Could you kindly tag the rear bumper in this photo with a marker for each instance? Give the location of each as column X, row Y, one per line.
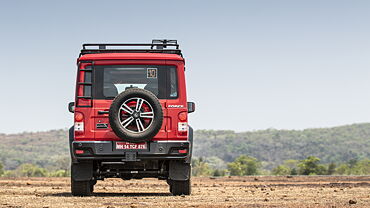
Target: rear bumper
column 105, row 150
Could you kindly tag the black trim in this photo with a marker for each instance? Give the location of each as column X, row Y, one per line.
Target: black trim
column 103, row 112
column 98, row 80
column 105, row 150
column 168, row 82
column 84, row 83
column 157, row 46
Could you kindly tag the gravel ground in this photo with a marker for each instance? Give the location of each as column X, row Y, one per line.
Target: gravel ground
column 260, row 191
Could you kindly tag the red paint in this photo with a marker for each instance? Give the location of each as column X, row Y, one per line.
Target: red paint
column 169, row 129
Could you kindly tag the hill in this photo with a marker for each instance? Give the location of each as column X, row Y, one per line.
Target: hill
column 337, row 144
column 41, row 148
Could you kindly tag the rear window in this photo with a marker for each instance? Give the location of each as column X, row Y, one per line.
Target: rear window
column 111, row 80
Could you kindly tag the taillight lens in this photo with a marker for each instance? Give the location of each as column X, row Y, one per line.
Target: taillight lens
column 79, row 116
column 183, row 116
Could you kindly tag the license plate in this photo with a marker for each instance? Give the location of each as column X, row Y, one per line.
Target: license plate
column 131, row 146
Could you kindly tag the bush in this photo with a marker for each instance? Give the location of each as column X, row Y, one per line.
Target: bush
column 30, row 170
column 201, row 168
column 311, row 166
column 354, row 167
column 219, row 172
column 244, row 165
column 281, row 170
column 59, row 173
column 1, row 169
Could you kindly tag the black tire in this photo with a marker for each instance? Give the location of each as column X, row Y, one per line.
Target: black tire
column 92, row 183
column 81, row 188
column 136, row 137
column 180, row 187
column 91, row 188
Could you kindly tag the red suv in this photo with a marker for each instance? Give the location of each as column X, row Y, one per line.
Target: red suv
column 131, row 116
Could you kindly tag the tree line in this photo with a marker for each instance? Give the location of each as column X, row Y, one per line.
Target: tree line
column 277, row 151
column 31, row 170
column 245, row 165
column 337, row 144
column 61, row 168
column 242, row 166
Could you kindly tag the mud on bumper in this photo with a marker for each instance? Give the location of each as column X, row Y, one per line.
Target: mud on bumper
column 105, row 150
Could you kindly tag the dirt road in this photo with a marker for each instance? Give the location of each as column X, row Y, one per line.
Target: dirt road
column 263, row 191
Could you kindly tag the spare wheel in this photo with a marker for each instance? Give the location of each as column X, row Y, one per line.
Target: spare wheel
column 136, row 115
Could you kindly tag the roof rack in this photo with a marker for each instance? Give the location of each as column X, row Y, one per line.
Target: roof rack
column 157, row 46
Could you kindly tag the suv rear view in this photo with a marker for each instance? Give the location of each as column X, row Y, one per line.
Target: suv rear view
column 131, row 116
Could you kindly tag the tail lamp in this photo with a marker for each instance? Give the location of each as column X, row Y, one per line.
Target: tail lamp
column 79, row 124
column 183, row 116
column 79, row 116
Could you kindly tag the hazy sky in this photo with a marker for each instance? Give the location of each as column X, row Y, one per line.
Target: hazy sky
column 250, row 64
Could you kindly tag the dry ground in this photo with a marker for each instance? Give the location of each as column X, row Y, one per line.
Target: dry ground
column 262, row 191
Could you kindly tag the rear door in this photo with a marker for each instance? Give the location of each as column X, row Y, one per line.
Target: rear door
column 113, row 77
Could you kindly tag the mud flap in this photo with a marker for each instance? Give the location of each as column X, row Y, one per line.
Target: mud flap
column 82, row 171
column 179, row 170
column 188, row 158
column 71, row 138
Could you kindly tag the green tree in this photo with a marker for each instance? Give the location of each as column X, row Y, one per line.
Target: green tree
column 361, row 167
column 311, row 166
column 331, row 169
column 201, row 168
column 294, row 172
column 244, row 165
column 219, row 172
column 281, row 170
column 354, row 167
column 343, row 169
column 1, row 169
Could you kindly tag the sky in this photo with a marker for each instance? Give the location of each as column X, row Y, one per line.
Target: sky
column 250, row 65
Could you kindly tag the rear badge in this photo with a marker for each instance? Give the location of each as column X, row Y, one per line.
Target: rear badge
column 101, row 125
column 175, row 106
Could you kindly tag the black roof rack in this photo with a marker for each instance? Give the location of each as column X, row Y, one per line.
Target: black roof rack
column 157, row 46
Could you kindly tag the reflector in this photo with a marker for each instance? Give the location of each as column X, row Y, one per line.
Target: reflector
column 183, row 151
